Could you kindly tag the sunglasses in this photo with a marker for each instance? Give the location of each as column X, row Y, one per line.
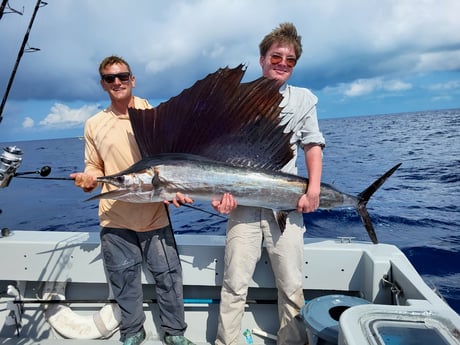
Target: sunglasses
column 110, row 78
column 276, row 59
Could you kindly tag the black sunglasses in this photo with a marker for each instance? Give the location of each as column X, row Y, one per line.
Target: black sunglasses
column 110, row 78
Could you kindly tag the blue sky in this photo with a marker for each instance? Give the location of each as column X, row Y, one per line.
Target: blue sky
column 361, row 57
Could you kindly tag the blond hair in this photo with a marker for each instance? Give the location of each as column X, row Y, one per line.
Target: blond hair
column 285, row 33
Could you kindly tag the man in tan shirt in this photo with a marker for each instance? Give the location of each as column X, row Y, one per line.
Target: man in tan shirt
column 131, row 233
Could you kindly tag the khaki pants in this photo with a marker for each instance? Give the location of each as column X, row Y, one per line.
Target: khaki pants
column 246, row 229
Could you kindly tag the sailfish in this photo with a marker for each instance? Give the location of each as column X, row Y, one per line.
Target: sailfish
column 222, row 135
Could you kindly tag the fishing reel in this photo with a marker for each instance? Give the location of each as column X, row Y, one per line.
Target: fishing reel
column 10, row 160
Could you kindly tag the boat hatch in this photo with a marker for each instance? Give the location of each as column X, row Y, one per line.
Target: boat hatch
column 392, row 325
column 389, row 332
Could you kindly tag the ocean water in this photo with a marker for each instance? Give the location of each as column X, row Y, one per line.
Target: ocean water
column 417, row 209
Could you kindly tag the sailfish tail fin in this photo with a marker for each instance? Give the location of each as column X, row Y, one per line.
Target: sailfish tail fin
column 364, row 197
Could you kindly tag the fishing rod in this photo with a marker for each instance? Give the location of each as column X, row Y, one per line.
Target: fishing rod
column 4, row 5
column 19, row 175
column 39, row 4
column 43, row 171
column 11, row 158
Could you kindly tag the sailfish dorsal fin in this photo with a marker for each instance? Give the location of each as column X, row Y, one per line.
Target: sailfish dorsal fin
column 220, row 118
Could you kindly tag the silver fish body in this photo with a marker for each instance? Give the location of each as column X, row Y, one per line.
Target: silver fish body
column 159, row 178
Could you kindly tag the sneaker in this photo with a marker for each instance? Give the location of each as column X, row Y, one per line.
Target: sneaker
column 136, row 339
column 177, row 340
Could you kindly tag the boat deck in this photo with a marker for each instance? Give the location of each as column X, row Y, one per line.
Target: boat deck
column 69, row 265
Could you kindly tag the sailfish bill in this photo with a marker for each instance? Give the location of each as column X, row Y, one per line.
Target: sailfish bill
column 160, row 177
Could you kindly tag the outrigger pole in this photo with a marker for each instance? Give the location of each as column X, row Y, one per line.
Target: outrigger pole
column 11, row 10
column 39, row 4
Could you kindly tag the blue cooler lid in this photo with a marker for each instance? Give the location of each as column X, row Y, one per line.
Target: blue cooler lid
column 322, row 314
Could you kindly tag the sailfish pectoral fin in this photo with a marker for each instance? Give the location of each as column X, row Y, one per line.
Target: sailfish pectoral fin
column 114, row 194
column 281, row 219
column 156, row 182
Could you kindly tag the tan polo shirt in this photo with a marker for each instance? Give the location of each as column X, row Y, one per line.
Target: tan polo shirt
column 110, row 148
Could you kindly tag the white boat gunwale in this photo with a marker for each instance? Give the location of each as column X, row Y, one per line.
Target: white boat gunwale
column 379, row 273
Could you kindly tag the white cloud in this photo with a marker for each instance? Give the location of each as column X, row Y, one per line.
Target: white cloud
column 181, row 41
column 62, row 116
column 28, row 122
column 450, row 85
column 396, row 85
column 361, row 87
column 444, row 98
column 439, row 61
column 351, row 48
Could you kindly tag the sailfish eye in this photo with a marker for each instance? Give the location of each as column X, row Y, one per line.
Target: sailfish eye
column 120, row 179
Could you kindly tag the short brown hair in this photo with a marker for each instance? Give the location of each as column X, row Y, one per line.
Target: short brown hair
column 112, row 60
column 284, row 33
